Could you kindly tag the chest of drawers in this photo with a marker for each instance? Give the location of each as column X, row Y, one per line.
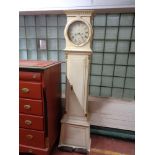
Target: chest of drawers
column 39, row 106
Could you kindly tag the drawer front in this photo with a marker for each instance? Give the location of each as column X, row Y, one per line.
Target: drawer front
column 29, row 76
column 32, row 107
column 31, row 122
column 31, row 138
column 30, row 90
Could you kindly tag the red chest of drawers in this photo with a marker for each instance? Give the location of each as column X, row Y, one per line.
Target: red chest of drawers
column 39, row 106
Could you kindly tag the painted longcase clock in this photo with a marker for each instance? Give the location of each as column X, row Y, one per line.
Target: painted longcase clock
column 75, row 126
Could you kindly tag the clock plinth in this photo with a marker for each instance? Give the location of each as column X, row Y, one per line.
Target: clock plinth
column 75, row 126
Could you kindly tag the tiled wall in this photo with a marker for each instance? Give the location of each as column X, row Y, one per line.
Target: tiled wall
column 113, row 61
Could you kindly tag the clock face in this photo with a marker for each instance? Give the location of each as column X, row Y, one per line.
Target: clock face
column 78, row 33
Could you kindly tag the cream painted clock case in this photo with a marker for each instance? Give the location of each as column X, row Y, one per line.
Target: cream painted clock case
column 75, row 126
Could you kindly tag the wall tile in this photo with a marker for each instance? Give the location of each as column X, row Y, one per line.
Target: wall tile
column 98, row 46
column 105, row 92
column 126, row 19
column 130, row 71
column 21, row 32
column 62, row 56
column 94, row 91
column 125, row 33
column 121, row 59
column 107, row 81
column 130, row 83
column 22, row 43
column 96, row 69
column 100, row 20
column 132, row 49
column 63, row 88
column 62, row 44
column 51, row 20
column 117, row 92
column 108, row 70
column 63, row 67
column 95, row 80
column 111, row 33
column 52, row 32
column 113, row 20
column 118, row 82
column 40, row 20
column 62, row 20
column 61, row 32
column 109, row 58
column 31, row 44
column 53, row 55
column 63, row 78
column 41, row 32
column 131, row 60
column 32, row 54
column 110, row 46
column 120, row 71
column 99, row 32
column 23, row 55
column 42, row 55
column 97, row 58
column 21, row 20
column 133, row 34
column 129, row 93
column 123, row 46
column 52, row 44
column 30, row 32
column 29, row 20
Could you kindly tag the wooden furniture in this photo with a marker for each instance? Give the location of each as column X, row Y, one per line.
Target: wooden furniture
column 75, row 126
column 39, row 106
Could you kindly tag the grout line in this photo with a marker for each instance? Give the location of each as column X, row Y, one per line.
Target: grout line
column 115, row 54
column 36, row 38
column 127, row 59
column 105, row 31
column 25, row 38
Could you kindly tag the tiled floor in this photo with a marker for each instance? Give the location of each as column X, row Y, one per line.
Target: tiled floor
column 101, row 145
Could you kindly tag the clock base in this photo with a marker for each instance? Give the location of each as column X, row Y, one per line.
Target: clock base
column 75, row 134
column 73, row 149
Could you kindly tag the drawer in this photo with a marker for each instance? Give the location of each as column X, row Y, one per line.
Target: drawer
column 31, row 138
column 28, row 106
column 30, row 90
column 31, row 122
column 29, row 76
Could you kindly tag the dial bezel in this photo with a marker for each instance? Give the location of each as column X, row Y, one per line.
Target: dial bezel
column 89, row 31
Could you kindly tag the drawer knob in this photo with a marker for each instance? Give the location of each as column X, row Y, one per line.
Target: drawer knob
column 25, row 90
column 30, row 150
column 34, row 76
column 27, row 107
column 28, row 122
column 29, row 137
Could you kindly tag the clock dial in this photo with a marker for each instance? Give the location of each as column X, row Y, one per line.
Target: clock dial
column 78, row 33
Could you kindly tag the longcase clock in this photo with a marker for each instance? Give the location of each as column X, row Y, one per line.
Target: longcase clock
column 75, row 126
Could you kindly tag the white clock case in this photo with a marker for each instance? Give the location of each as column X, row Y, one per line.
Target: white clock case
column 75, row 126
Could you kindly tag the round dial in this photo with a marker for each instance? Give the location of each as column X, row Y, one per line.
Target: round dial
column 78, row 33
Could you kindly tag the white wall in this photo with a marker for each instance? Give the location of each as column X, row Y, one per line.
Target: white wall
column 36, row 5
